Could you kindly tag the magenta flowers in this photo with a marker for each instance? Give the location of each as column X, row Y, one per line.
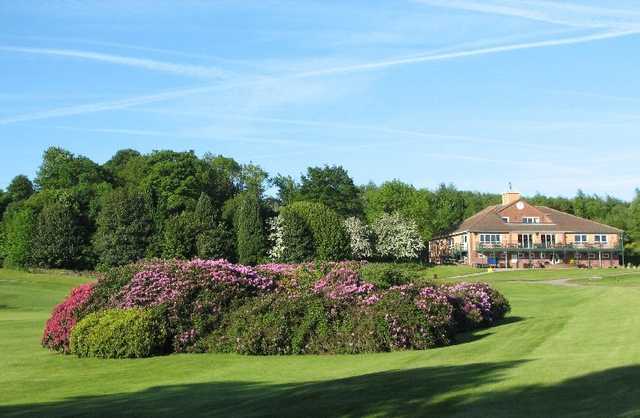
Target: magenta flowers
column 64, row 317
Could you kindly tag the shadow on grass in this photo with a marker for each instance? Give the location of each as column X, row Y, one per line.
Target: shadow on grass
column 479, row 334
column 434, row 391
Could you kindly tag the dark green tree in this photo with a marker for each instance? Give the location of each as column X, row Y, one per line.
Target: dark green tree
column 60, row 240
column 330, row 238
column 216, row 242
column 124, row 228
column 20, row 188
column 297, row 238
column 251, row 241
column 446, row 209
column 61, row 169
column 18, row 228
column 331, row 186
column 180, row 236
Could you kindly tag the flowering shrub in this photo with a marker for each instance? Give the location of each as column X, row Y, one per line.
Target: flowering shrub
column 343, row 284
column 64, row 317
column 214, row 305
column 476, row 304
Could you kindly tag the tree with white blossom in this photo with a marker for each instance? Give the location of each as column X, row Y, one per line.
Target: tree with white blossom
column 397, row 238
column 360, row 236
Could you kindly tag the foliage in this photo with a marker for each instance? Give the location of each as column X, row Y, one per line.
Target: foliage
column 124, row 228
column 330, row 238
column 214, row 238
column 360, row 238
column 58, row 329
column 61, row 169
column 297, row 238
column 332, row 187
column 276, row 239
column 476, row 304
column 397, row 238
column 60, row 237
column 215, row 242
column 251, row 243
column 120, row 333
column 386, row 275
column 18, row 233
column 20, row 188
column 180, row 233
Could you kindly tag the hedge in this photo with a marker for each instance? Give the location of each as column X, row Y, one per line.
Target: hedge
column 120, row 333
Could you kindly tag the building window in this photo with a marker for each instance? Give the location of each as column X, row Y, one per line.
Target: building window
column 600, row 239
column 505, row 219
column 530, row 220
column 580, row 239
column 606, row 256
column 489, row 238
column 592, row 256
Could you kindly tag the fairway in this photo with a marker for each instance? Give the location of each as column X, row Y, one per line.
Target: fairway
column 570, row 347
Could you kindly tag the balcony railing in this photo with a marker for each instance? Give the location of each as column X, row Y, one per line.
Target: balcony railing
column 500, row 247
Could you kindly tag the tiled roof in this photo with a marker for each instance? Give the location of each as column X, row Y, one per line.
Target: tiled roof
column 489, row 220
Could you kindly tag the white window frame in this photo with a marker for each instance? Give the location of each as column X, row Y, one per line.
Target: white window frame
column 606, row 256
column 530, row 220
column 580, row 238
column 592, row 256
column 601, row 239
column 505, row 219
column 491, row 239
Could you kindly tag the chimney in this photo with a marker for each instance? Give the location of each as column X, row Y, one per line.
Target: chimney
column 510, row 197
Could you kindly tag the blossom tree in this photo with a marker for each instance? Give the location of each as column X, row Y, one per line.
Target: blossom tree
column 397, row 238
column 360, row 238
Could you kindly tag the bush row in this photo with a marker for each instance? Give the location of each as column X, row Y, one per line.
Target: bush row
column 161, row 307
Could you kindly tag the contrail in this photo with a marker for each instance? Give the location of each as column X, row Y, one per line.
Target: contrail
column 164, row 96
column 549, row 12
column 470, row 53
column 148, row 64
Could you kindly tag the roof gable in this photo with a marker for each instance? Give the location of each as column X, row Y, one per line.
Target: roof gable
column 490, row 220
column 520, row 209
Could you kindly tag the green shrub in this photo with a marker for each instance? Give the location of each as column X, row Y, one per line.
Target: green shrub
column 120, row 333
column 110, row 282
column 385, row 275
column 278, row 323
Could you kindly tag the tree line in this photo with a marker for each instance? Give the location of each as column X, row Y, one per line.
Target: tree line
column 77, row 214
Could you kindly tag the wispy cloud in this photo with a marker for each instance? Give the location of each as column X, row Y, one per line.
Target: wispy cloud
column 549, row 12
column 338, row 70
column 472, row 52
column 148, row 64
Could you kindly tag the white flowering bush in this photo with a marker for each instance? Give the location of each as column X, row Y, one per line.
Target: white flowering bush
column 276, row 238
column 360, row 238
column 397, row 238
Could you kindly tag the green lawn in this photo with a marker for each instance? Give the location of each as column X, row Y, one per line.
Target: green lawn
column 570, row 351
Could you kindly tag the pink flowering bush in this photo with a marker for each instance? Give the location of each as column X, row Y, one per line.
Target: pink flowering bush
column 476, row 304
column 58, row 329
column 344, row 285
column 321, row 308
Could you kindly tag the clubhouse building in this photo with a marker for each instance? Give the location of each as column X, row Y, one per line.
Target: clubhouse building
column 517, row 234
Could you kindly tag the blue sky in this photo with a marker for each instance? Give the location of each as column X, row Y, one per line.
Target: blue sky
column 477, row 93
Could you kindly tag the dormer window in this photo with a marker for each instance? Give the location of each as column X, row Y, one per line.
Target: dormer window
column 530, row 220
column 505, row 219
